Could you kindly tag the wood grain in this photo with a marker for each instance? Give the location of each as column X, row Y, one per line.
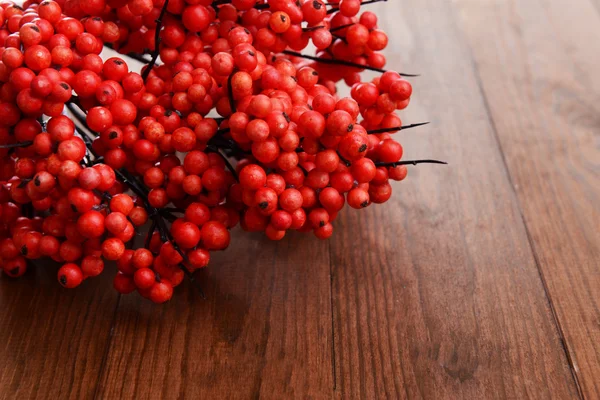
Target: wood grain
column 477, row 280
column 436, row 293
column 264, row 331
column 53, row 339
column 543, row 90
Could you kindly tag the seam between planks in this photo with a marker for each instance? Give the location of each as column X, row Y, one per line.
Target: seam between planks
column 331, row 310
column 522, row 216
column 107, row 347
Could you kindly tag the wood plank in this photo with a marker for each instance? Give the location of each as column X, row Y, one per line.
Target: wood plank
column 264, row 330
column 53, row 339
column 436, row 293
column 538, row 62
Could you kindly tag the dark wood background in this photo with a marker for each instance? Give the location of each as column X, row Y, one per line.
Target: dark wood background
column 477, row 280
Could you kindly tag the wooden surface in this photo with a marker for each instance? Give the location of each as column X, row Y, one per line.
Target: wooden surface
column 477, row 280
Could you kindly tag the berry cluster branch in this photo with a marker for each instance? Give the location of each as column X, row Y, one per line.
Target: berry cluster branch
column 142, row 192
column 166, row 236
column 334, row 61
column 158, row 222
column 156, row 51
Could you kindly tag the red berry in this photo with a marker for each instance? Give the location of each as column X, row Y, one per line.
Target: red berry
column 70, row 276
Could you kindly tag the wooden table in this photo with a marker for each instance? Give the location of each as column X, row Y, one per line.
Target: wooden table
column 477, row 280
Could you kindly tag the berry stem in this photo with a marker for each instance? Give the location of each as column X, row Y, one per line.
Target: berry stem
column 174, row 210
column 225, row 160
column 395, row 128
column 334, row 61
column 409, row 162
column 98, row 160
column 104, row 195
column 156, row 42
column 18, row 144
column 304, row 171
column 223, row 143
column 81, row 119
column 343, row 39
column 162, row 227
column 150, row 233
column 88, row 142
column 133, row 184
column 339, row 28
column 362, row 4
column 312, row 28
column 230, row 92
column 346, row 162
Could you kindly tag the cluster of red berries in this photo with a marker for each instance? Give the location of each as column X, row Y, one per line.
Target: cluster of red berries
column 146, row 151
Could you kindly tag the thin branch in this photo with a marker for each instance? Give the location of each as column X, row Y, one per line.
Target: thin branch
column 346, row 162
column 230, row 92
column 409, row 162
column 339, row 28
column 83, row 132
column 395, row 128
column 18, row 144
column 150, row 233
column 224, row 143
column 174, row 210
column 223, row 131
column 304, row 171
column 334, row 61
column 362, row 4
column 226, row 161
column 313, row 28
column 80, row 118
column 156, row 51
column 164, row 231
column 343, row 39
